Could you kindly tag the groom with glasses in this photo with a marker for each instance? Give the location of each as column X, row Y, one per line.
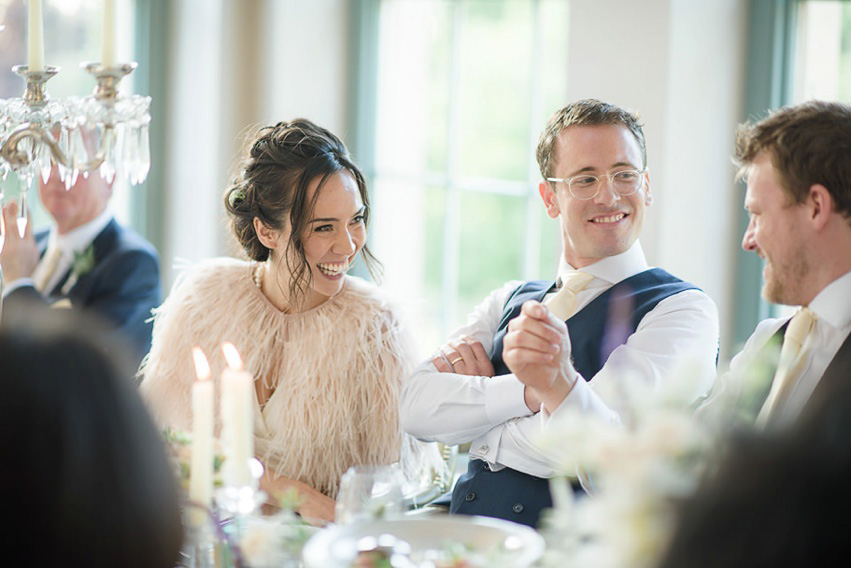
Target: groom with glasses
column 535, row 350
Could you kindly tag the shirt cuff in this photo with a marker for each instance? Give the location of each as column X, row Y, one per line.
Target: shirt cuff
column 579, row 398
column 582, row 400
column 15, row 284
column 504, row 399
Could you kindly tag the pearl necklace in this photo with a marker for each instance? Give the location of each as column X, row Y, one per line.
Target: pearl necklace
column 257, row 276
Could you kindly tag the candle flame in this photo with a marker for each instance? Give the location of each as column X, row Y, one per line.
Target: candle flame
column 202, row 367
column 231, row 355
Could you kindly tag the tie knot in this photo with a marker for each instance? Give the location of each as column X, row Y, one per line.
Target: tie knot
column 563, row 302
column 800, row 326
column 576, row 281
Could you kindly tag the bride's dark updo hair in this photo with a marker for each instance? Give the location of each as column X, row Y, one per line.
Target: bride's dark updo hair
column 272, row 186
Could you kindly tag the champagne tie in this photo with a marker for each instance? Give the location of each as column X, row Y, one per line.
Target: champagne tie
column 49, row 264
column 792, row 356
column 563, row 303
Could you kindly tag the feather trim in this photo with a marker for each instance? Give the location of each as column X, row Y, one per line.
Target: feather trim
column 335, row 371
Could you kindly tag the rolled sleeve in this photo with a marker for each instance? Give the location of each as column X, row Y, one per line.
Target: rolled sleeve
column 456, row 409
column 504, row 399
column 17, row 283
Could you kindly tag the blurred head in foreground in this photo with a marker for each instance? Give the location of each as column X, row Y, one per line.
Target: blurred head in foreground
column 775, row 500
column 85, row 477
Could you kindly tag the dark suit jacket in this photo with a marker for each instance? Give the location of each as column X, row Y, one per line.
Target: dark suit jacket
column 829, row 408
column 122, row 288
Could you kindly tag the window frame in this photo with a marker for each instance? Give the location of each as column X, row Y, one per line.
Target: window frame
column 362, row 114
column 153, row 40
column 769, row 85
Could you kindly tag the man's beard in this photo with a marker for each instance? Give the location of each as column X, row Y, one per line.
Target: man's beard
column 784, row 282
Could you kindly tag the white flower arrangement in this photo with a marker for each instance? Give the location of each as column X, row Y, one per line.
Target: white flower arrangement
column 635, row 473
column 275, row 541
column 260, row 540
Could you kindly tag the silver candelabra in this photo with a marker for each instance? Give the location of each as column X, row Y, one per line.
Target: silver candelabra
column 103, row 131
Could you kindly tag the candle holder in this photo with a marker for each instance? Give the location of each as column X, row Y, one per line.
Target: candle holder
column 24, row 121
column 35, row 94
column 200, row 548
column 242, row 500
column 108, row 78
column 103, row 131
column 238, row 504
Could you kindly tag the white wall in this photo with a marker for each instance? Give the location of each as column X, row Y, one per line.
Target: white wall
column 193, row 176
column 697, row 214
column 307, row 73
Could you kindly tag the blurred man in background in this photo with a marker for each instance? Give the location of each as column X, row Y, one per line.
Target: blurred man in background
column 84, row 260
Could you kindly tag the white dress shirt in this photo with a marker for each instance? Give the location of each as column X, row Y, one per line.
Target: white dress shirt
column 833, row 307
column 75, row 240
column 491, row 412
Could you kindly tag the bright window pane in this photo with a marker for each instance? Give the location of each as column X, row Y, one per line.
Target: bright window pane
column 550, row 246
column 823, row 51
column 491, row 235
column 412, row 104
column 495, row 88
column 464, row 89
column 435, row 230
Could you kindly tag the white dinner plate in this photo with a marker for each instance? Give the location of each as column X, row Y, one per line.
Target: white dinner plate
column 480, row 541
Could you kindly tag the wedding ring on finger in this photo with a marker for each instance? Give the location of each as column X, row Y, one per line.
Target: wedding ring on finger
column 452, row 362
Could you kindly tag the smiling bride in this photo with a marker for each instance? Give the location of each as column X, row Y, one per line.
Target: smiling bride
column 327, row 351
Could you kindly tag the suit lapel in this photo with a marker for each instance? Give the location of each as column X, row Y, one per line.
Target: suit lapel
column 834, row 387
column 769, row 356
column 102, row 245
column 56, row 292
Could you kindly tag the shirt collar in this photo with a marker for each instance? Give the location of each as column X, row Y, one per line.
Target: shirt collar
column 77, row 239
column 612, row 269
column 832, row 305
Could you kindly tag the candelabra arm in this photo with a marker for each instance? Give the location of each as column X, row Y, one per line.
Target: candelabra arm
column 18, row 158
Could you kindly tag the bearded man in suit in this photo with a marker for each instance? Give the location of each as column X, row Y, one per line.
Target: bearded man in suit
column 799, row 202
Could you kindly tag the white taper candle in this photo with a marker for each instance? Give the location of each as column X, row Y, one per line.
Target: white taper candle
column 237, row 409
column 201, row 472
column 107, row 57
column 35, row 37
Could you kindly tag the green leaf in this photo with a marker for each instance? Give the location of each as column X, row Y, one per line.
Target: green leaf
column 84, row 261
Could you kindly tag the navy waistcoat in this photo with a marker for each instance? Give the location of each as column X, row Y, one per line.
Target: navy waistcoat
column 595, row 331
